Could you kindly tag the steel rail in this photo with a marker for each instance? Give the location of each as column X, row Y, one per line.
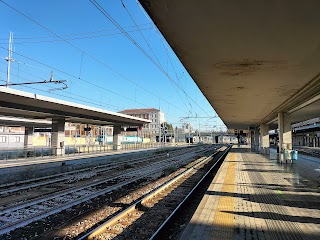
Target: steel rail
column 70, row 191
column 100, row 229
column 9, row 227
column 65, row 176
column 187, row 197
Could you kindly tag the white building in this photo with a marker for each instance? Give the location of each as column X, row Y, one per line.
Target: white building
column 156, row 116
column 11, row 137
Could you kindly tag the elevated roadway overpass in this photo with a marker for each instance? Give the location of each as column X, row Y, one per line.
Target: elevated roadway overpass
column 34, row 107
column 257, row 62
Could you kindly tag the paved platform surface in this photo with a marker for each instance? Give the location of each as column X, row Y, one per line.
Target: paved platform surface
column 253, row 197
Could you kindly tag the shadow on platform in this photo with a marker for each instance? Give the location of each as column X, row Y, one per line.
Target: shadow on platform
column 261, row 198
column 277, row 216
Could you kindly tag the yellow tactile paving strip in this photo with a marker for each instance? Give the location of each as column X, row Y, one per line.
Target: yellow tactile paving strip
column 223, row 218
column 253, row 197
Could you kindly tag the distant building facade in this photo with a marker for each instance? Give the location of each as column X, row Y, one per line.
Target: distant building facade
column 306, row 133
column 75, row 134
column 11, row 137
column 156, row 117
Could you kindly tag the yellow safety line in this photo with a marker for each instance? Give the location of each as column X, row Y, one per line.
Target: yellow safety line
column 223, row 222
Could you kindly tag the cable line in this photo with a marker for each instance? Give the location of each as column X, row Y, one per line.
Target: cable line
column 165, row 47
column 76, row 34
column 152, row 51
column 107, row 15
column 92, row 57
column 77, row 38
column 91, row 100
column 125, row 78
column 70, row 75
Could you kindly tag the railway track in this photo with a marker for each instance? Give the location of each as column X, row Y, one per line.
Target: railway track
column 30, row 190
column 73, row 176
column 30, row 211
column 146, row 218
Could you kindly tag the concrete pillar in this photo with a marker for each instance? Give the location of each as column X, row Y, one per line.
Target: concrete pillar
column 117, row 138
column 252, row 139
column 57, row 137
column 285, row 135
column 264, row 136
column 28, row 135
column 248, row 138
column 256, row 139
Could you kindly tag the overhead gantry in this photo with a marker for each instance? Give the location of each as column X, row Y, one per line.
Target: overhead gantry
column 257, row 62
column 21, row 104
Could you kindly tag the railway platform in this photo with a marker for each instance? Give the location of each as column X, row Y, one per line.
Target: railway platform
column 255, row 197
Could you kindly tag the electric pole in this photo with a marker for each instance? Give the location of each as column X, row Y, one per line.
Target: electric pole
column 160, row 141
column 9, row 59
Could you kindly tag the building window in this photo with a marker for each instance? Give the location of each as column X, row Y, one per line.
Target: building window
column 3, row 139
column 17, row 139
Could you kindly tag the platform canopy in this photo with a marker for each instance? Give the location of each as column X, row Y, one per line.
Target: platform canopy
column 24, row 122
column 21, row 104
column 250, row 58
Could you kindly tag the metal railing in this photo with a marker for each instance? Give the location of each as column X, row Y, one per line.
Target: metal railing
column 16, row 153
column 35, row 152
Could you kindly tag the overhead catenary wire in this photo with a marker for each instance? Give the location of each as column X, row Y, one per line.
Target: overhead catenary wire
column 136, row 25
column 76, row 38
column 109, row 105
column 71, row 75
column 151, row 50
column 90, row 101
column 43, row 80
column 163, row 43
column 81, row 65
column 161, row 38
column 30, row 65
column 81, row 97
column 74, row 34
column 89, row 55
column 107, row 15
column 168, row 57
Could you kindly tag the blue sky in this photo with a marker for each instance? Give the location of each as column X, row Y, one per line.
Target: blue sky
column 104, row 68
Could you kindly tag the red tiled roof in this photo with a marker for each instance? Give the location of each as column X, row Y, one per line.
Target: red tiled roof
column 139, row 110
